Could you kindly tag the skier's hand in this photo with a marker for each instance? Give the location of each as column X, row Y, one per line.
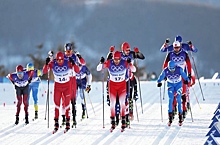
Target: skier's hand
column 129, row 60
column 71, row 60
column 88, row 88
column 29, row 80
column 167, row 40
column 189, row 76
column 102, row 60
column 189, row 42
column 136, row 50
column 159, row 84
column 50, row 54
column 47, row 60
column 185, row 82
column 78, row 54
column 112, row 48
column 135, row 97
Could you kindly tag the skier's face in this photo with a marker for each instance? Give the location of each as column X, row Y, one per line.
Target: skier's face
column 116, row 61
column 176, row 49
column 20, row 74
column 127, row 51
column 68, row 53
column 60, row 61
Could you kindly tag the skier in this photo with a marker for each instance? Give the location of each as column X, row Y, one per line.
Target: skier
column 21, row 80
column 34, row 85
column 117, row 69
column 174, row 75
column 68, row 52
column 181, row 58
column 83, row 80
column 62, row 70
column 185, row 46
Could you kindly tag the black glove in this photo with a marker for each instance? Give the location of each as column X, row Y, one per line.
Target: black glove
column 29, row 80
column 189, row 76
column 102, row 60
column 71, row 60
column 165, row 79
column 185, row 82
column 159, row 84
column 129, row 60
column 79, row 56
column 47, row 60
column 88, row 88
column 189, row 42
column 167, row 40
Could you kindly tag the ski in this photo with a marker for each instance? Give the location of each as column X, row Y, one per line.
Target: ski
column 168, row 124
column 180, row 124
column 122, row 130
column 111, row 129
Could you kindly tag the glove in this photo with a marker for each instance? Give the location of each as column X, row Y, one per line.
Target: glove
column 112, row 48
column 185, row 82
column 47, row 60
column 29, row 80
column 71, row 60
column 135, row 97
column 136, row 50
column 102, row 60
column 189, row 42
column 50, row 53
column 129, row 60
column 159, row 84
column 189, row 76
column 108, row 101
column 88, row 88
column 167, row 40
column 165, row 79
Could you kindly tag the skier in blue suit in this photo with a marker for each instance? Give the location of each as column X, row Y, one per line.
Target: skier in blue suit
column 34, row 85
column 174, row 75
column 185, row 46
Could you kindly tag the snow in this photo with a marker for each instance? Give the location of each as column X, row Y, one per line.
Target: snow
column 151, row 128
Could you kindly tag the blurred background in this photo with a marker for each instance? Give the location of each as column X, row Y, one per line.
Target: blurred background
column 29, row 29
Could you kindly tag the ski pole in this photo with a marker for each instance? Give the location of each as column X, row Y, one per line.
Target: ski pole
column 91, row 103
column 197, row 76
column 187, row 91
column 103, row 97
column 85, row 102
column 164, row 88
column 139, row 84
column 47, row 101
column 196, row 97
column 161, row 106
column 136, row 111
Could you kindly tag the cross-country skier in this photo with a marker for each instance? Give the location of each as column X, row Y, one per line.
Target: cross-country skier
column 83, row 80
column 181, row 58
column 185, row 46
column 78, row 59
column 174, row 75
column 117, row 69
column 34, row 85
column 21, row 80
column 62, row 69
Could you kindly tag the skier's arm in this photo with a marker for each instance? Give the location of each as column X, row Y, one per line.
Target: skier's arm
column 188, row 63
column 166, row 60
column 161, row 77
column 183, row 74
column 72, row 64
column 80, row 58
column 137, row 54
column 110, row 54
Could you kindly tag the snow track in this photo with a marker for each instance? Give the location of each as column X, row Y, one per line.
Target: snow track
column 149, row 130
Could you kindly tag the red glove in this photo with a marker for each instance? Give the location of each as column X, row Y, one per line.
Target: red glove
column 112, row 48
column 136, row 50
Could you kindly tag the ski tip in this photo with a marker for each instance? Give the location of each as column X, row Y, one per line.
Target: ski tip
column 122, row 130
column 103, row 126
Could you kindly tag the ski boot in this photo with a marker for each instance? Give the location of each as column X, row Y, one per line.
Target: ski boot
column 64, row 120
column 184, row 114
column 26, row 119
column 67, row 125
column 123, row 124
column 16, row 120
column 180, row 119
column 74, row 122
column 127, row 120
column 56, row 125
column 170, row 119
column 113, row 124
column 36, row 115
column 188, row 106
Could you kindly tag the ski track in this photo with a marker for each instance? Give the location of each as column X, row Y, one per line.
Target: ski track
column 149, row 130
